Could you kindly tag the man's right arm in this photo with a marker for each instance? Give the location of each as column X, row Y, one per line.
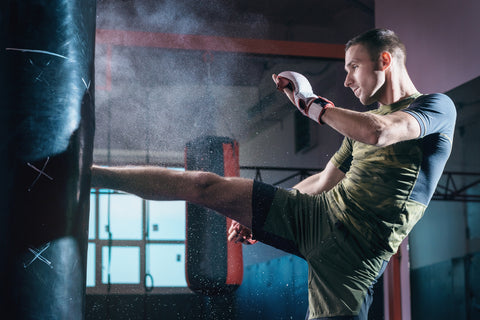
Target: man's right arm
column 322, row 181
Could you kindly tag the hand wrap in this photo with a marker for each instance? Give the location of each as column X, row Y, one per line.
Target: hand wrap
column 308, row 103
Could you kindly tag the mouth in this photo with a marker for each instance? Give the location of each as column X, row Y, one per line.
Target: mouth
column 356, row 91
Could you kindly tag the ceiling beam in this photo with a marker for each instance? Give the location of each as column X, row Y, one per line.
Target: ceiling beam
column 219, row 44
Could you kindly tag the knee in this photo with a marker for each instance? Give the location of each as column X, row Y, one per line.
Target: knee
column 204, row 183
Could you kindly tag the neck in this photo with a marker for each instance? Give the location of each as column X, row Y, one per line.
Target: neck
column 398, row 86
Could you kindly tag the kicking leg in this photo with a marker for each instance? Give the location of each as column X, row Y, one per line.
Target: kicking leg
column 229, row 196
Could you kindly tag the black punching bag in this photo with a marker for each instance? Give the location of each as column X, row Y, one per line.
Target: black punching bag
column 214, row 265
column 47, row 128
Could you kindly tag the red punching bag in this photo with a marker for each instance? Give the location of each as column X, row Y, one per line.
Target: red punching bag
column 213, row 264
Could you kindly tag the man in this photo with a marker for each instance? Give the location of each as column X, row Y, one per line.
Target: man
column 349, row 219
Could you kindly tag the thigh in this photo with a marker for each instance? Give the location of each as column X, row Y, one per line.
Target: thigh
column 229, row 196
column 285, row 218
column 262, row 198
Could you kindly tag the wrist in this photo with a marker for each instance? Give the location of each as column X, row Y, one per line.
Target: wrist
column 317, row 107
column 323, row 113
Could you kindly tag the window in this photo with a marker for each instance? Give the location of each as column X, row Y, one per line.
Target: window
column 135, row 245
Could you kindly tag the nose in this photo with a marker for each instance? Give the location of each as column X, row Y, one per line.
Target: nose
column 348, row 80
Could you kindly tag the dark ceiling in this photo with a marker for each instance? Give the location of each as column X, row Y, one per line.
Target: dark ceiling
column 333, row 21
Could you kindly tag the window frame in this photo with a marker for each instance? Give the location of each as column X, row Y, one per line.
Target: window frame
column 99, row 244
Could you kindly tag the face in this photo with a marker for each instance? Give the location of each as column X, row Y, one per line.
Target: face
column 364, row 76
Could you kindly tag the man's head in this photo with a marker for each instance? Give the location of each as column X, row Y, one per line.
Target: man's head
column 368, row 58
column 377, row 41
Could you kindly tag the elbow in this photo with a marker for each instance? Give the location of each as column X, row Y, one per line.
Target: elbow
column 377, row 136
column 201, row 186
column 380, row 132
column 372, row 139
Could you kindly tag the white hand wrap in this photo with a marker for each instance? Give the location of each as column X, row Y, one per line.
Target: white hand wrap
column 306, row 101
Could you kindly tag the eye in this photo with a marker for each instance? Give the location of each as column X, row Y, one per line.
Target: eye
column 351, row 67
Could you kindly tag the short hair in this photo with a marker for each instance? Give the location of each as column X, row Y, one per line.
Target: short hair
column 377, row 41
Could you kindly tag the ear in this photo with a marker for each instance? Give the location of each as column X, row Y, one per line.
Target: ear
column 385, row 60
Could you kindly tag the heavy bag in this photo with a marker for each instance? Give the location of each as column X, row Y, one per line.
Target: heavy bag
column 47, row 117
column 214, row 265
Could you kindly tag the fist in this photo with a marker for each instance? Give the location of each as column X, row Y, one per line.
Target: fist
column 297, row 88
column 239, row 233
column 282, row 83
column 299, row 91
